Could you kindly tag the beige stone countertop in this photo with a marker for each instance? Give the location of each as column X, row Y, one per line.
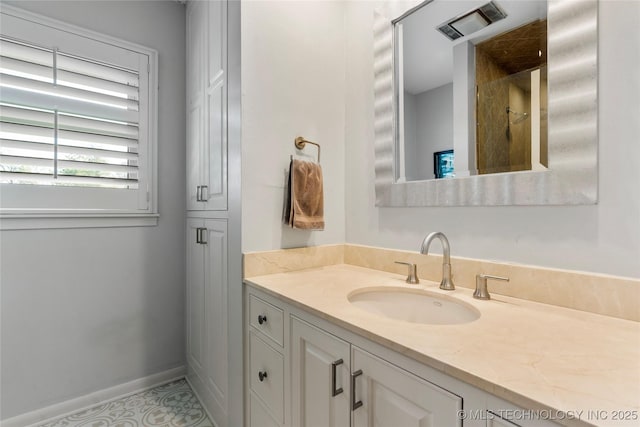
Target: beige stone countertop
column 524, row 352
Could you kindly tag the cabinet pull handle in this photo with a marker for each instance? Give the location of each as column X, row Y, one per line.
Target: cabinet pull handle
column 204, row 196
column 355, row 405
column 199, row 193
column 200, row 235
column 262, row 375
column 262, row 319
column 334, row 365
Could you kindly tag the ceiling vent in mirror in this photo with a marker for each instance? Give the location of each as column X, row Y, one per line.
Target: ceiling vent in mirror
column 472, row 21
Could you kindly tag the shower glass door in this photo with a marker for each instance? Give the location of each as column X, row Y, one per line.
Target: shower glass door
column 511, row 131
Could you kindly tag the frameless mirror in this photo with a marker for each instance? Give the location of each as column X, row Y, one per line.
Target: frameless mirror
column 500, row 46
column 486, row 102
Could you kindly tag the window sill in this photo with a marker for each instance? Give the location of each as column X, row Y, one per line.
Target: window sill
column 80, row 220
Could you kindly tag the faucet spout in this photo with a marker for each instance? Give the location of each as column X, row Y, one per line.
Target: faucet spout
column 447, row 282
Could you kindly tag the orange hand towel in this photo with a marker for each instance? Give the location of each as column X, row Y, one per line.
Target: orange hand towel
column 305, row 196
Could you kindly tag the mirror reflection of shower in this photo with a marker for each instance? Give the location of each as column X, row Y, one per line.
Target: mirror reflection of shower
column 515, row 88
column 519, row 117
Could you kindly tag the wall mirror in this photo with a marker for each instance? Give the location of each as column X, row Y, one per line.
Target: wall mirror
column 500, row 95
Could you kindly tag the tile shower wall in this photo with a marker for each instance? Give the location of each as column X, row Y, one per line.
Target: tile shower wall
column 493, row 127
column 603, row 238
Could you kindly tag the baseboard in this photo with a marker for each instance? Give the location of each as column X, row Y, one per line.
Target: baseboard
column 68, row 407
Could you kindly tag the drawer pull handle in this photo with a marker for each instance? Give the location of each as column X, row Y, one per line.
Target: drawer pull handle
column 262, row 319
column 262, row 375
column 355, row 405
column 334, row 365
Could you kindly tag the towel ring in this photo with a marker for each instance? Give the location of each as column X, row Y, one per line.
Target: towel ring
column 300, row 143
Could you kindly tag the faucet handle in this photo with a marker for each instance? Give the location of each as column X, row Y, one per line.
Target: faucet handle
column 481, row 291
column 412, row 274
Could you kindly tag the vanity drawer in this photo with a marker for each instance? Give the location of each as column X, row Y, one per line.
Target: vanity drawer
column 267, row 319
column 266, row 372
column 258, row 415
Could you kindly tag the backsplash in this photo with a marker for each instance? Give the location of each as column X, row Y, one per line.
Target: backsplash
column 284, row 260
column 596, row 293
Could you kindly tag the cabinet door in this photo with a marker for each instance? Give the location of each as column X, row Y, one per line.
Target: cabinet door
column 196, row 84
column 391, row 396
column 320, row 377
column 214, row 150
column 206, row 105
column 195, row 299
column 501, row 413
column 207, row 313
column 215, row 296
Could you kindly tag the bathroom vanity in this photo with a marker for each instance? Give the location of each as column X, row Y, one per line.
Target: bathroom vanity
column 315, row 358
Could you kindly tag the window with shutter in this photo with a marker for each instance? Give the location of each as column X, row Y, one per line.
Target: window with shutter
column 77, row 117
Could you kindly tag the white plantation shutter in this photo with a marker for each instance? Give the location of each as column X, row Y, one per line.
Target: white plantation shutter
column 75, row 120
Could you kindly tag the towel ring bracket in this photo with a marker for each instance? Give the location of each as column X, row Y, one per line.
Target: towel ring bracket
column 300, row 142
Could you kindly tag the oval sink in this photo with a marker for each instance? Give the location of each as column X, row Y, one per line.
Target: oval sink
column 414, row 305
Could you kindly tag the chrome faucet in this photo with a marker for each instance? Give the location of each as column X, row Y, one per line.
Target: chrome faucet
column 446, row 283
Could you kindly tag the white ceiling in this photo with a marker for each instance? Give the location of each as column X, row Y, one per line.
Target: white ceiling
column 428, row 54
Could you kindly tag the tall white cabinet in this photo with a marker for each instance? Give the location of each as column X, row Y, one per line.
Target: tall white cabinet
column 207, row 106
column 213, row 304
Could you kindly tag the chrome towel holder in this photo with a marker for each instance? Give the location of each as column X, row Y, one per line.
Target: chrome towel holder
column 300, row 142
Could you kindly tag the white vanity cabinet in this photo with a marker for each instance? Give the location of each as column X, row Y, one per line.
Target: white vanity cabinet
column 333, row 377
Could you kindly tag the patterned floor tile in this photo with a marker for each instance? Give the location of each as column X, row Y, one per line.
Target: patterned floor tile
column 169, row 405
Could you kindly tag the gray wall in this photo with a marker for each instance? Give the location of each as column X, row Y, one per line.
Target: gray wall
column 411, row 161
column 603, row 238
column 428, row 128
column 434, row 126
column 87, row 309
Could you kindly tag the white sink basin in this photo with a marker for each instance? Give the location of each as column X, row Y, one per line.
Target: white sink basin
column 414, row 305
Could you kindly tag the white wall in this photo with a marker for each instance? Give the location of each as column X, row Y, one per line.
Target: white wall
column 293, row 83
column 603, row 238
column 87, row 309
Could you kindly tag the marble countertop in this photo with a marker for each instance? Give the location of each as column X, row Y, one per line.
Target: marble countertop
column 524, row 352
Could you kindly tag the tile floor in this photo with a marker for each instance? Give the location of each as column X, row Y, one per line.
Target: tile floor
column 169, row 405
